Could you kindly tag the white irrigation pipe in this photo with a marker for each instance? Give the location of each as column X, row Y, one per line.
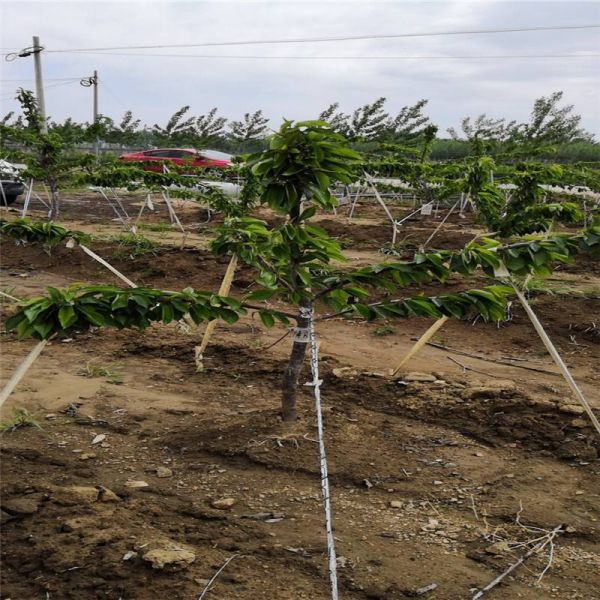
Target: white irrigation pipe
column 556, row 357
column 316, row 384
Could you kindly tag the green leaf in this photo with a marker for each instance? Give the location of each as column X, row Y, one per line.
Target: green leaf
column 67, row 316
column 92, row 315
column 167, row 313
column 308, row 213
column 261, row 295
column 266, row 318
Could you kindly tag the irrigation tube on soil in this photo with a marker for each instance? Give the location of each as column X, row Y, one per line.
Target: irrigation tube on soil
column 316, row 384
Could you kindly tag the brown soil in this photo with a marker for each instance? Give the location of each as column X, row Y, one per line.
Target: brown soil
column 458, row 457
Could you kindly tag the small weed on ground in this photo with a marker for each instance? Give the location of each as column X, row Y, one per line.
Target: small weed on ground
column 91, row 370
column 538, row 285
column 131, row 245
column 21, row 418
column 384, row 330
column 158, row 227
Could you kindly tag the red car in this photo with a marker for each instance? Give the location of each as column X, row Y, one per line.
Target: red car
column 185, row 157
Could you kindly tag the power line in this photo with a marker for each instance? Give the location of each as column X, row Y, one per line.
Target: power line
column 255, row 57
column 47, row 87
column 46, row 79
column 343, row 38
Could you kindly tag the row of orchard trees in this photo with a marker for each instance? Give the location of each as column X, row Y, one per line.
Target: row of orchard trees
column 51, row 157
column 300, row 273
column 551, row 124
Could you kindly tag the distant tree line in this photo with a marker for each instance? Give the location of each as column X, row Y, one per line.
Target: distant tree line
column 552, row 132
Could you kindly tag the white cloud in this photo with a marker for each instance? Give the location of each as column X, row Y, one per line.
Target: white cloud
column 154, row 87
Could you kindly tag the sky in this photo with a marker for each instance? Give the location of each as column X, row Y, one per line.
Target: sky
column 153, row 87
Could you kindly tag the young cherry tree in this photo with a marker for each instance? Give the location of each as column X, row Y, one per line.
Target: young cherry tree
column 296, row 260
column 49, row 158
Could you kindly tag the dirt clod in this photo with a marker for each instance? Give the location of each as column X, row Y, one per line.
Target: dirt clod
column 167, row 555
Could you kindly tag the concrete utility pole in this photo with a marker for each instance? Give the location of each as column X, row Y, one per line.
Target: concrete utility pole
column 93, row 83
column 39, row 83
column 95, row 109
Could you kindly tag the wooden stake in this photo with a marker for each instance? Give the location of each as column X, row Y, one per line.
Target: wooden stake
column 21, row 370
column 420, row 343
column 223, row 291
column 556, row 357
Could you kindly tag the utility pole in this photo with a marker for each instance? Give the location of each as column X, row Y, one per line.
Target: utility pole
column 39, row 83
column 93, row 83
column 95, row 109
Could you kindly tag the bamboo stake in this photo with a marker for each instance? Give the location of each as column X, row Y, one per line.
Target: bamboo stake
column 108, row 266
column 385, row 208
column 120, row 275
column 556, row 357
column 439, row 226
column 223, row 291
column 172, row 215
column 27, row 198
column 420, row 343
column 21, row 370
column 9, row 296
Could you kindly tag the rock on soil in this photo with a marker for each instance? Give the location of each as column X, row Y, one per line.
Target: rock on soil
column 417, row 377
column 162, row 472
column 223, row 503
column 78, row 494
column 167, row 555
column 21, row 506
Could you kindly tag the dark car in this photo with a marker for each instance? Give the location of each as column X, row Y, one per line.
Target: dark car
column 11, row 185
column 153, row 160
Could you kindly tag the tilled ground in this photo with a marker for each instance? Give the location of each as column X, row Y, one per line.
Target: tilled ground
column 439, row 481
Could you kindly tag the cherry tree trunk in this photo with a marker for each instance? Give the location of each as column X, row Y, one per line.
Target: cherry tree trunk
column 293, row 370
